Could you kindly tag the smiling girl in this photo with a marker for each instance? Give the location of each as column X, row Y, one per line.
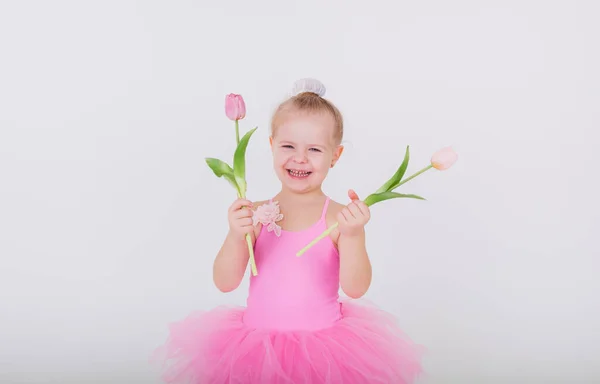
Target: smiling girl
column 295, row 328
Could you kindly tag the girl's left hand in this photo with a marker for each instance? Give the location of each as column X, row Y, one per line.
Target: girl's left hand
column 353, row 218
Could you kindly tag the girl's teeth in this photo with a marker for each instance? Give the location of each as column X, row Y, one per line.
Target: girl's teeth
column 298, row 173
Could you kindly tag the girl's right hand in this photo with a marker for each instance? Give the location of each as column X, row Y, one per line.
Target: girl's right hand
column 240, row 217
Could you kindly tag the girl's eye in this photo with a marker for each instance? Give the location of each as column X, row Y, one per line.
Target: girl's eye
column 315, row 149
column 287, row 146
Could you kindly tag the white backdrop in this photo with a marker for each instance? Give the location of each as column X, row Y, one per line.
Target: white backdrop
column 110, row 219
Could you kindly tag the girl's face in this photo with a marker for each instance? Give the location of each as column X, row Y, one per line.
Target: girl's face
column 304, row 149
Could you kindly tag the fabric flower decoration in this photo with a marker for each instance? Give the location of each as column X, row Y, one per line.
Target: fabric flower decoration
column 268, row 214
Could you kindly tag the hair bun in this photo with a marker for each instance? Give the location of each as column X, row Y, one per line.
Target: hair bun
column 308, row 85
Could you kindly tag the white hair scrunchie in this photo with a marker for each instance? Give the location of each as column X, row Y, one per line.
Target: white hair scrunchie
column 308, row 85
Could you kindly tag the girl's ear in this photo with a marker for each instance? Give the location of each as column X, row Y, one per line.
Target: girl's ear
column 271, row 141
column 336, row 155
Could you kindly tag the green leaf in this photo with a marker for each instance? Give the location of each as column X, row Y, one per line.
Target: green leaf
column 378, row 197
column 222, row 169
column 395, row 180
column 239, row 162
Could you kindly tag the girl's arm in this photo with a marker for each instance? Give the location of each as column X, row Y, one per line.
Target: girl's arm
column 232, row 259
column 355, row 266
column 230, row 263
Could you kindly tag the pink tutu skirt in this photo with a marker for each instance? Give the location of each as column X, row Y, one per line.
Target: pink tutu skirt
column 216, row 347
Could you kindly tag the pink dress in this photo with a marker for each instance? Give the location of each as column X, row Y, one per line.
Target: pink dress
column 294, row 329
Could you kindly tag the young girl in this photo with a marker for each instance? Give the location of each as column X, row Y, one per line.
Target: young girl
column 295, row 329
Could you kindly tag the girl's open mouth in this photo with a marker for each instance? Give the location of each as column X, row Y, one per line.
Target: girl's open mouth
column 298, row 174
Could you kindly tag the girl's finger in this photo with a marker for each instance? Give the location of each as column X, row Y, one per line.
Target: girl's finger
column 239, row 203
column 352, row 195
column 349, row 213
column 362, row 207
column 343, row 218
column 243, row 212
column 354, row 209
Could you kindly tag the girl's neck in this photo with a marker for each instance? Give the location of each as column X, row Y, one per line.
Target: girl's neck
column 299, row 198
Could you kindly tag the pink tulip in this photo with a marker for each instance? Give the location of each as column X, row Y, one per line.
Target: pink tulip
column 235, row 108
column 444, row 158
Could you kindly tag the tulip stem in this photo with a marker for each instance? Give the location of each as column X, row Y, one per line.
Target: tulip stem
column 241, row 195
column 251, row 255
column 250, row 247
column 316, row 240
column 412, row 177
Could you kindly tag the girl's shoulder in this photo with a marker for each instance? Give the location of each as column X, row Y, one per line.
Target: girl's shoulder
column 334, row 207
column 256, row 204
column 333, row 210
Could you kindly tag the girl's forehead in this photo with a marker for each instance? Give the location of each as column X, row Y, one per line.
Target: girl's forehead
column 307, row 126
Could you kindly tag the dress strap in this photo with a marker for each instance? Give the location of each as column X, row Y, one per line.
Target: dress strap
column 324, row 213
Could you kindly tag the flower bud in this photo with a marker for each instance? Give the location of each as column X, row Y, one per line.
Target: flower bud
column 235, row 108
column 444, row 158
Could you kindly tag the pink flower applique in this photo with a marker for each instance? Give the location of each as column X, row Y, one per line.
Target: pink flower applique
column 268, row 214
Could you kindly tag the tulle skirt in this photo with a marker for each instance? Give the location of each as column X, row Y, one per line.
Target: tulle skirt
column 216, row 347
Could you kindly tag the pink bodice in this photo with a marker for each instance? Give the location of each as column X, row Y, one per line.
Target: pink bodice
column 290, row 292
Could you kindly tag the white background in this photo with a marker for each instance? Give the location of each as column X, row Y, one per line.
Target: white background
column 110, row 219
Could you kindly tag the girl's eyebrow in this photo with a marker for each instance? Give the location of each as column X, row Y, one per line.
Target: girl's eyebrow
column 284, row 142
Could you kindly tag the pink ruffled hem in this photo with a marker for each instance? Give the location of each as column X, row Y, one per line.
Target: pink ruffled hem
column 216, row 347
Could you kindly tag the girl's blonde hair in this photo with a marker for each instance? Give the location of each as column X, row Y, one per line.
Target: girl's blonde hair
column 310, row 102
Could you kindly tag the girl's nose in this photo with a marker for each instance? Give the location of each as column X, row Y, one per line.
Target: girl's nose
column 300, row 157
